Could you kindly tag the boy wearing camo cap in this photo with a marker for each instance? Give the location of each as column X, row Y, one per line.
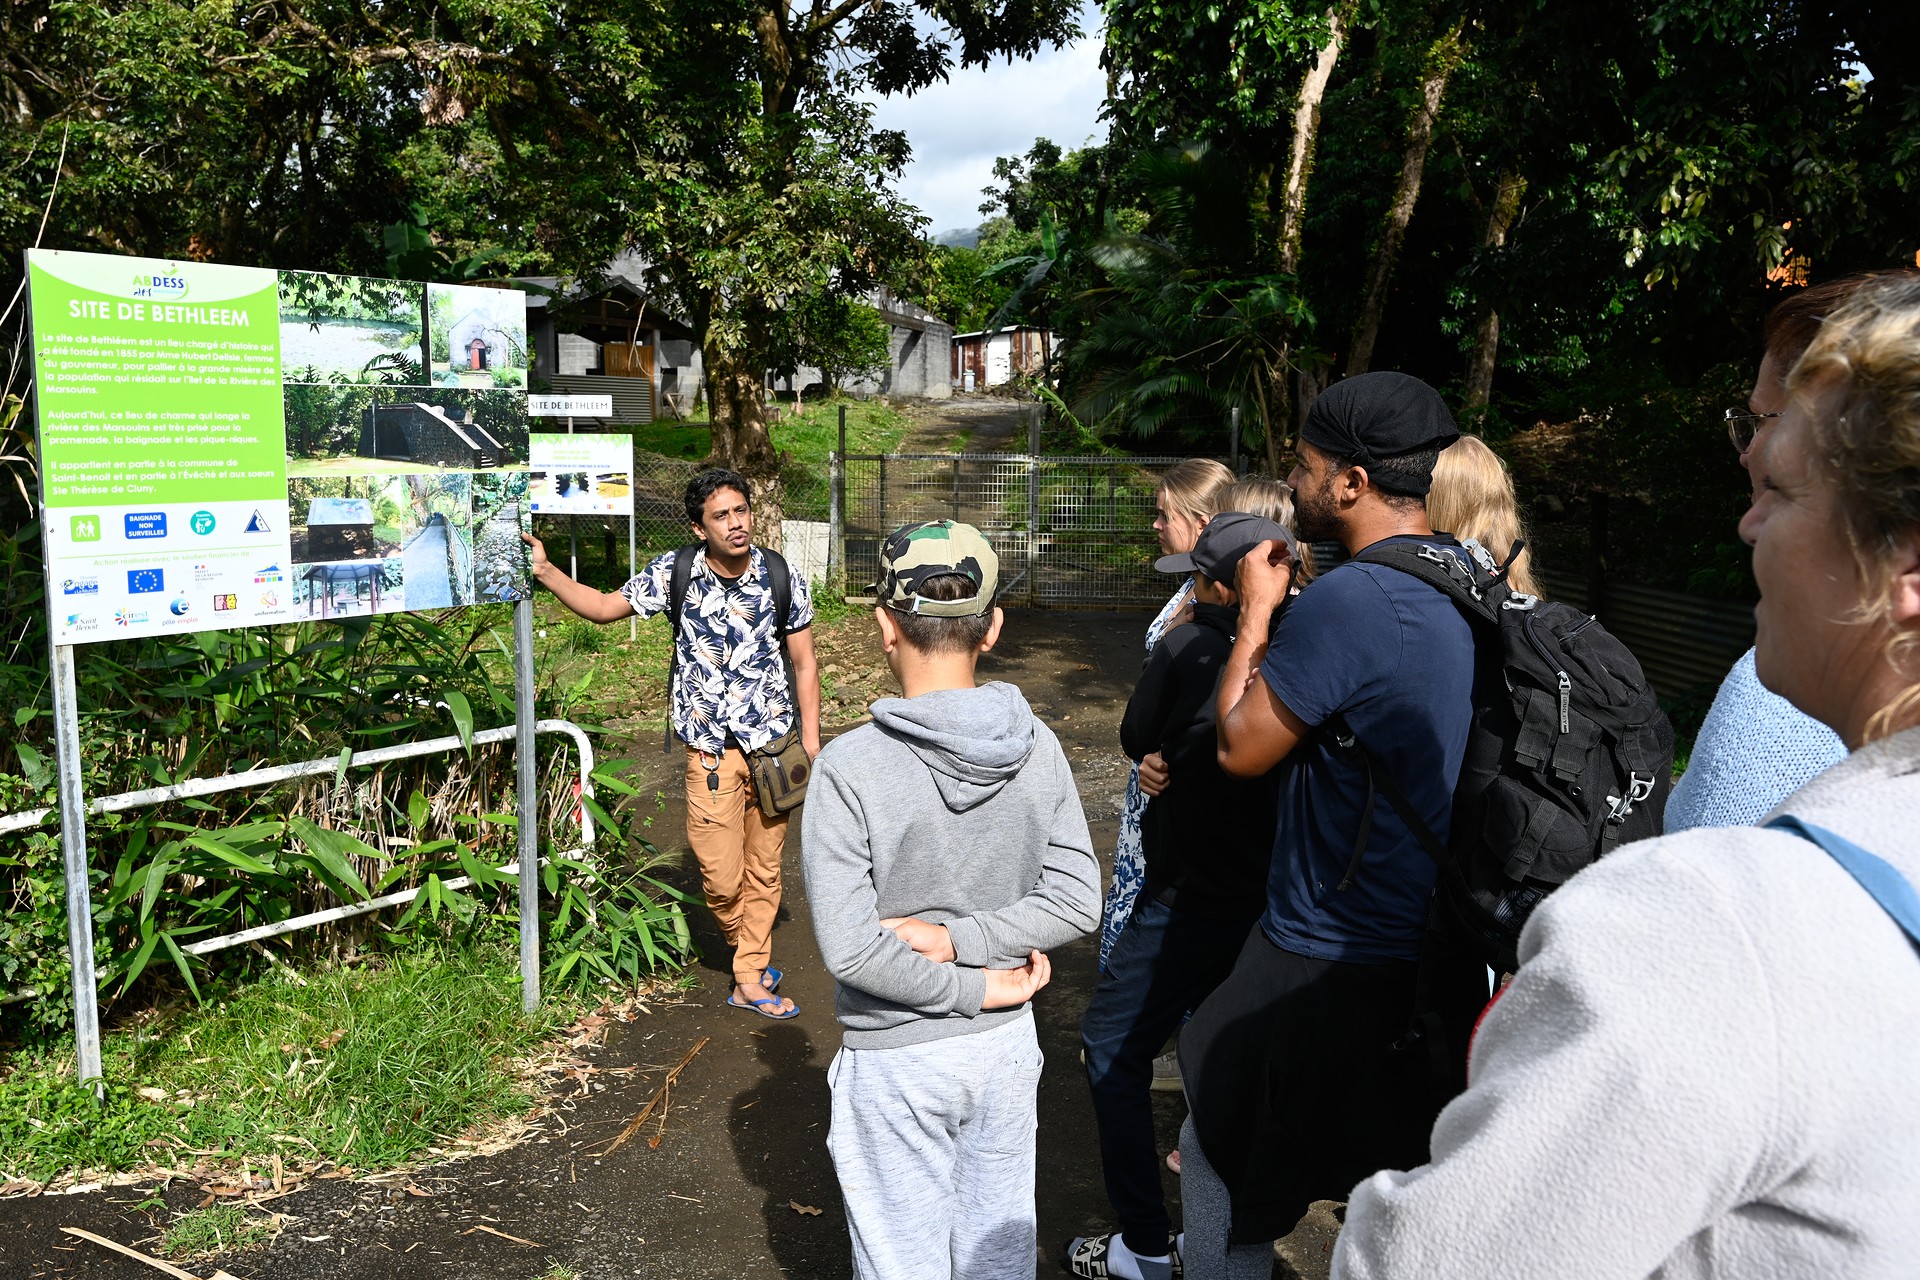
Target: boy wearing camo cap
column 945, row 852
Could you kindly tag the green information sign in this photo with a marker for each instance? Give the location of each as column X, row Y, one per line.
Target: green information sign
column 159, row 382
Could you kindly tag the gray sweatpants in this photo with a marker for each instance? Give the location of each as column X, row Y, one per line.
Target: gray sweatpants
column 934, row 1146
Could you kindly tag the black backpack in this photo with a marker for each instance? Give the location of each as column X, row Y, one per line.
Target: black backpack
column 779, row 581
column 1568, row 757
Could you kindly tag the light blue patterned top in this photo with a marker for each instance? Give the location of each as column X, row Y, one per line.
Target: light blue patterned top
column 1129, row 855
column 1754, row 750
column 730, row 679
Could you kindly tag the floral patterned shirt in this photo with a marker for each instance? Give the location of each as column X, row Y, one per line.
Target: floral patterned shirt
column 731, row 678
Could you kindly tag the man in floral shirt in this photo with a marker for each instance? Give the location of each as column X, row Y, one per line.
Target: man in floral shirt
column 730, row 695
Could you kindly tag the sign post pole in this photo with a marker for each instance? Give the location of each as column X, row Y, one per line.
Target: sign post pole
column 528, row 805
column 573, row 534
column 73, row 848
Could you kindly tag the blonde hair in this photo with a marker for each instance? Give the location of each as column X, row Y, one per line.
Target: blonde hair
column 1866, row 440
column 1472, row 497
column 1191, row 486
column 1269, row 499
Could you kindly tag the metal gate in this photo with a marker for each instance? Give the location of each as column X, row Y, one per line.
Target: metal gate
column 1071, row 531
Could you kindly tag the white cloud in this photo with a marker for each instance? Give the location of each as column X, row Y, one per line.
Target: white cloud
column 958, row 128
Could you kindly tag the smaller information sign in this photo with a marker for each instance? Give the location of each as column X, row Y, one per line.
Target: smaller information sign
column 582, row 474
column 570, row 406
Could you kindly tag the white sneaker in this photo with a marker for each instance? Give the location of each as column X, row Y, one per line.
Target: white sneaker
column 1166, row 1073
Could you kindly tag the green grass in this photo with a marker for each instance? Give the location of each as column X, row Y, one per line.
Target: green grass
column 363, row 1065
column 873, row 426
column 220, row 1228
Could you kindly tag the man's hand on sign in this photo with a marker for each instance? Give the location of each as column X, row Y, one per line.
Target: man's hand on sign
column 539, row 557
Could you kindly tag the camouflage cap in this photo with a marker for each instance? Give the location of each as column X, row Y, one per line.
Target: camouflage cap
column 914, row 553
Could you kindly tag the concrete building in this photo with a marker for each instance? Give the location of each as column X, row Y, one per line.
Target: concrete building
column 919, row 355
column 995, row 357
column 429, row 434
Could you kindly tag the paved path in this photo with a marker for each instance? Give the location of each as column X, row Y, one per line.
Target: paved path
column 424, row 573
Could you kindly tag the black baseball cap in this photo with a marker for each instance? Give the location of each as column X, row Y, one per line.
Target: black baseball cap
column 1377, row 416
column 1224, row 543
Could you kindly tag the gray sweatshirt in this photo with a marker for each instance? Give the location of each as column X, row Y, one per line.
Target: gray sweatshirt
column 956, row 807
column 1706, row 1068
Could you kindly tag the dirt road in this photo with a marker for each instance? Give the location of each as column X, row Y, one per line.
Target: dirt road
column 743, row 1141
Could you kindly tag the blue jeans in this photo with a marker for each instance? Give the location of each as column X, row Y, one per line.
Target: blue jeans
column 1164, row 963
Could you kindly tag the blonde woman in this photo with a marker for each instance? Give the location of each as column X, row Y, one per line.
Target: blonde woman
column 1182, row 504
column 1705, row 1065
column 1472, row 497
column 1273, row 500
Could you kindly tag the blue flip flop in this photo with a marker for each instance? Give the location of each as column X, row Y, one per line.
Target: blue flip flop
column 770, row 978
column 759, row 1007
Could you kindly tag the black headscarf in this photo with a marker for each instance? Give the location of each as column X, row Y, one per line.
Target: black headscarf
column 1378, row 416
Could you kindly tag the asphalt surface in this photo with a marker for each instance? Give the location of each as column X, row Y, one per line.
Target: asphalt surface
column 740, row 1161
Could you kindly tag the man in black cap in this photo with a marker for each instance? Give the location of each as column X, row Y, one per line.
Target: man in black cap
column 1295, row 1089
column 1207, row 837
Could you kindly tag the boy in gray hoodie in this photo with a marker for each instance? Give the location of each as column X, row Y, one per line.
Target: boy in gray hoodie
column 945, row 852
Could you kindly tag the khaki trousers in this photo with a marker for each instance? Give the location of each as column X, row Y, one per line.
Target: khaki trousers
column 739, row 850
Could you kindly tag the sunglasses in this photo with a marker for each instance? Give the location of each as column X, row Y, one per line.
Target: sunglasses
column 1743, row 427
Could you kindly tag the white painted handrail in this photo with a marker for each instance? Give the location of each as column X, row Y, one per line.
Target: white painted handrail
column 310, row 768
column 306, row 769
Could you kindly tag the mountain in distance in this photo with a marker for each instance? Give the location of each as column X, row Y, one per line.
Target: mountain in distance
column 960, row 237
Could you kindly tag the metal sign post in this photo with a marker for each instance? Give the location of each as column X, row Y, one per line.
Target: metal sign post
column 527, row 804
column 73, row 848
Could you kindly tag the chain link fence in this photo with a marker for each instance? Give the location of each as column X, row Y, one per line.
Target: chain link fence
column 1071, row 531
column 1091, row 542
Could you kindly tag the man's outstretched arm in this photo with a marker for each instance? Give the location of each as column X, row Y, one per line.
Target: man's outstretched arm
column 594, row 606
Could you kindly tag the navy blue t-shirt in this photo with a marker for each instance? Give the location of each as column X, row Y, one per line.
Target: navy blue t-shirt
column 1394, row 656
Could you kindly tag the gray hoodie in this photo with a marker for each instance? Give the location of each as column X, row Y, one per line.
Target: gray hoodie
column 956, row 807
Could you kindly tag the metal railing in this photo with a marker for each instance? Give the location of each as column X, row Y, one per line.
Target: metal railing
column 250, row 778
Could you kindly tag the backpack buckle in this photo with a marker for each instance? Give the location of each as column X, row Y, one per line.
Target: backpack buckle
column 1639, row 787
column 1519, row 600
column 1450, row 563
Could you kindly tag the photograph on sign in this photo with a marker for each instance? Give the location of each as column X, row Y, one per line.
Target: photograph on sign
column 478, row 336
column 350, row 329
column 581, row 474
column 346, row 430
column 418, row 527
column 501, row 569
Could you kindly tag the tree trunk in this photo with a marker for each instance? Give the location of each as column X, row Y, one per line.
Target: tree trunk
column 1306, row 133
column 1441, row 61
column 737, row 414
column 1293, row 205
column 1486, row 334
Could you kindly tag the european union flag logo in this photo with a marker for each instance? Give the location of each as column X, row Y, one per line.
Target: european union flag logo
column 143, row 581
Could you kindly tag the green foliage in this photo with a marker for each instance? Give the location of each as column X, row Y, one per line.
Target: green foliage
column 842, row 337
column 365, row 1064
column 1172, row 341
column 158, row 711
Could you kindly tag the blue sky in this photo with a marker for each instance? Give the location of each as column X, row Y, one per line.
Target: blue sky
column 959, row 127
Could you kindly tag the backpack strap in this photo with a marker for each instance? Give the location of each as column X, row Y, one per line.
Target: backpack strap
column 1893, row 891
column 1381, row 778
column 780, row 583
column 676, row 601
